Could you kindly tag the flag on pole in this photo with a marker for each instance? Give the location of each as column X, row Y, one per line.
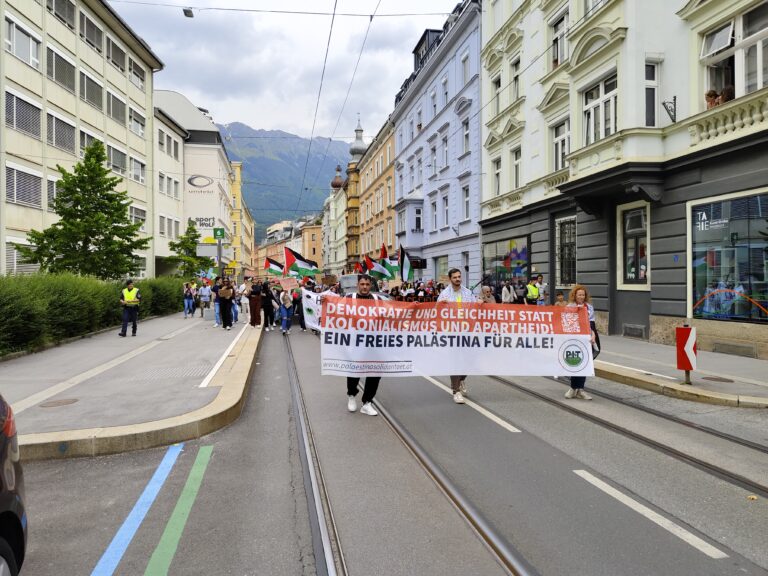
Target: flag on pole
column 359, row 268
column 273, row 267
column 406, row 271
column 377, row 270
column 392, row 265
column 295, row 262
column 383, row 253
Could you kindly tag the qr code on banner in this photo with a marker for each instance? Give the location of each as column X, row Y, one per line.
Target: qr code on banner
column 571, row 324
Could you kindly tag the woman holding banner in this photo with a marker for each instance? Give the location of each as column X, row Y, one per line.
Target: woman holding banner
column 579, row 298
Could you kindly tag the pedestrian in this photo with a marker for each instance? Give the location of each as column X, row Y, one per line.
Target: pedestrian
column 298, row 309
column 507, row 293
column 455, row 292
column 542, row 286
column 226, row 300
column 486, row 295
column 189, row 300
column 560, row 299
column 579, row 298
column 130, row 298
column 242, row 293
column 235, row 301
column 254, row 304
column 268, row 304
column 532, row 292
column 286, row 311
column 364, row 283
column 204, row 294
column 216, row 303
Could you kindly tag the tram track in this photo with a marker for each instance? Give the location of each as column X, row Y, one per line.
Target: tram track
column 709, row 467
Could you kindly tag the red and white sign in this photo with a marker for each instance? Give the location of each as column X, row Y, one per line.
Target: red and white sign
column 686, row 347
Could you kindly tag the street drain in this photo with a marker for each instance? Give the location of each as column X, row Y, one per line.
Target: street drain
column 57, row 403
column 717, row 379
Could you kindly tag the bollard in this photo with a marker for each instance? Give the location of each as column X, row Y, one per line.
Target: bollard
column 686, row 349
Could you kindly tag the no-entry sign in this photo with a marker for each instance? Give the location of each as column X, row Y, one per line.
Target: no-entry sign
column 686, row 347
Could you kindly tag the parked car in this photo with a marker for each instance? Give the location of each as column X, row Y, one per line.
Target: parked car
column 13, row 517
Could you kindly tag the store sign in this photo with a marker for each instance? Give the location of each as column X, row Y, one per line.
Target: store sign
column 205, row 222
column 703, row 224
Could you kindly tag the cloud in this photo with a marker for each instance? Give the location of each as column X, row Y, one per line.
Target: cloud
column 264, row 69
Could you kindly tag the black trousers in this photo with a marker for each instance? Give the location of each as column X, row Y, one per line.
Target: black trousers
column 225, row 308
column 130, row 314
column 371, row 385
column 269, row 314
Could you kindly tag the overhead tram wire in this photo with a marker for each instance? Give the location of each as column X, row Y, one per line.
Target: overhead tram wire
column 346, row 98
column 317, row 104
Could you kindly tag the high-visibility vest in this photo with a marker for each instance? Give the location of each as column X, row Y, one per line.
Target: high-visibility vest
column 533, row 292
column 129, row 296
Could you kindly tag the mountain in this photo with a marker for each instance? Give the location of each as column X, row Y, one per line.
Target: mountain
column 273, row 166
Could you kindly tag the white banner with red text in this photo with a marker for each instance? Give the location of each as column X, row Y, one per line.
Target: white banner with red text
column 383, row 337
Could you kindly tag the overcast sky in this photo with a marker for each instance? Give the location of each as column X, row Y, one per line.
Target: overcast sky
column 264, row 69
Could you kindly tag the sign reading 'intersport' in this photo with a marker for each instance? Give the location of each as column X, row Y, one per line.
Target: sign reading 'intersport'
column 361, row 337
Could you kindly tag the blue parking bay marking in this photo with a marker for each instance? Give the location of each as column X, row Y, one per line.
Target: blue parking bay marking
column 116, row 549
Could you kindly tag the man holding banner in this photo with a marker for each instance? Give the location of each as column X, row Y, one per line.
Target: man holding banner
column 459, row 294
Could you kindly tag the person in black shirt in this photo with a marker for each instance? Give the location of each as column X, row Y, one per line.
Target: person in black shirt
column 364, row 284
column 268, row 304
column 254, row 304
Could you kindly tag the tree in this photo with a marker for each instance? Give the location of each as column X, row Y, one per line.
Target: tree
column 94, row 235
column 186, row 253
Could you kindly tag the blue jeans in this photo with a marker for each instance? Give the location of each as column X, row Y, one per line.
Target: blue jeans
column 286, row 314
column 189, row 306
column 235, row 310
column 217, row 311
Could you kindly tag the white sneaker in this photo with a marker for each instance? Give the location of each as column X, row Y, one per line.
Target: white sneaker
column 288, row 332
column 463, row 388
column 303, row 329
column 229, row 327
column 351, row 404
column 368, row 409
column 215, row 325
column 458, row 398
column 571, row 393
column 581, row 395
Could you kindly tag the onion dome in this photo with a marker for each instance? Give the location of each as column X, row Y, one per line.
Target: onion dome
column 337, row 182
column 358, row 147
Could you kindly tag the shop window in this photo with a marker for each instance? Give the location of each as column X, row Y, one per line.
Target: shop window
column 441, row 267
column 729, row 259
column 506, row 260
column 634, row 245
column 565, row 256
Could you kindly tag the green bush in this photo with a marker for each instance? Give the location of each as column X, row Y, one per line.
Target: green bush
column 41, row 309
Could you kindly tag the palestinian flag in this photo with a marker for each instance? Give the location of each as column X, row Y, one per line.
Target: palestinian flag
column 406, row 271
column 383, row 254
column 377, row 270
column 295, row 262
column 391, row 264
column 273, row 267
column 359, row 268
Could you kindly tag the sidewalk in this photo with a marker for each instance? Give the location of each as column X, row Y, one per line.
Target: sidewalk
column 719, row 379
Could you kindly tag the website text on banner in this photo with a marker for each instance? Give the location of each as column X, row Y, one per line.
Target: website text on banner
column 392, row 338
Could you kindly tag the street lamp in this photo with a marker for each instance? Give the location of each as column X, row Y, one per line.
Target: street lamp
column 188, row 12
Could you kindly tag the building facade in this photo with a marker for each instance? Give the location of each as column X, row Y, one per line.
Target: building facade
column 336, row 263
column 352, row 203
column 72, row 72
column 606, row 163
column 377, row 194
column 438, row 149
column 242, row 227
column 312, row 242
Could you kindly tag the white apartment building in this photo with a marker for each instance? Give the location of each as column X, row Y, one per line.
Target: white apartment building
column 604, row 165
column 335, row 249
column 72, row 71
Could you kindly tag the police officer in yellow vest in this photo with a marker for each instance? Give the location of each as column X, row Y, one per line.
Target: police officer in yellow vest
column 130, row 298
column 532, row 294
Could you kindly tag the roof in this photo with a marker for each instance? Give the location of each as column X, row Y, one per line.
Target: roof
column 101, row 7
column 183, row 112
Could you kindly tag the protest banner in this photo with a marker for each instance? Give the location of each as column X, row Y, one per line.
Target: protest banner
column 288, row 283
column 312, row 307
column 390, row 338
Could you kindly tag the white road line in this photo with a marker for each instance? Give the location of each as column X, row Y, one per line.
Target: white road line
column 639, row 371
column 43, row 395
column 491, row 416
column 668, row 525
column 220, row 361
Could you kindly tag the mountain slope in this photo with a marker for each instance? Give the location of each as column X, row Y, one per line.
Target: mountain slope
column 273, row 166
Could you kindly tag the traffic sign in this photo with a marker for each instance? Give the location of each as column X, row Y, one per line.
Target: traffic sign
column 218, row 233
column 686, row 347
column 228, row 272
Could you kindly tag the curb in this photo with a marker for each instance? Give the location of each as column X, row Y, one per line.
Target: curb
column 638, row 379
column 232, row 378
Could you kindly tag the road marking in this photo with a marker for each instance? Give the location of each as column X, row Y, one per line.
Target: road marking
column 161, row 559
column 220, row 361
column 43, row 395
column 640, row 371
column 490, row 415
column 668, row 525
column 114, row 552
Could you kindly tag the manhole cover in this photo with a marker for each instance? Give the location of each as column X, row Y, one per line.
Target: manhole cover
column 57, row 403
column 717, row 379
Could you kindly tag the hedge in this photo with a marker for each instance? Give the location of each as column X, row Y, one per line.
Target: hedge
column 42, row 309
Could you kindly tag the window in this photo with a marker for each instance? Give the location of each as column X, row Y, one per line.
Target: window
column 85, row 141
column 445, row 91
column 559, row 42
column 136, row 74
column 441, row 263
column 651, row 92
column 515, row 86
column 91, row 33
column 497, row 177
column 634, row 245
column 729, row 252
column 446, row 219
column 418, row 172
column 565, row 258
column 137, row 215
column 60, row 133
column 52, row 191
column 401, row 221
column 176, row 189
column 175, row 150
column 22, row 187
column 417, row 220
column 433, row 100
column 517, row 167
column 465, row 130
column 138, row 170
column 418, row 121
column 445, row 151
column 136, row 122
column 433, row 158
column 433, row 206
column 465, row 74
column 410, row 130
column 115, row 108
column 117, row 160
column 22, row 44
column 22, row 115
column 600, row 116
column 496, row 91
column 161, row 226
column 592, row 5
column 15, row 263
column 64, row 10
column 176, row 230
column 161, row 140
column 91, row 91
column 465, row 197
column 506, row 260
column 168, row 144
column 161, row 183
column 60, row 70
column 561, row 137
column 115, row 54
